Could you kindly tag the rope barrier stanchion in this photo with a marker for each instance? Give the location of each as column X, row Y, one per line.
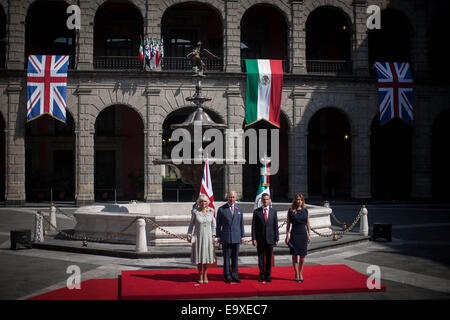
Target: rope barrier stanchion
column 364, row 225
column 52, row 217
column 141, row 236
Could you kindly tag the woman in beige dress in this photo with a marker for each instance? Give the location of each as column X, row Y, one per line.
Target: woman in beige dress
column 202, row 227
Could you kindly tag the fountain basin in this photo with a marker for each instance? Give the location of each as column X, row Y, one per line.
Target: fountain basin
column 106, row 222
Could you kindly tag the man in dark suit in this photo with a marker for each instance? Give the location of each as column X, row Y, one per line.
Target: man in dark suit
column 264, row 236
column 230, row 233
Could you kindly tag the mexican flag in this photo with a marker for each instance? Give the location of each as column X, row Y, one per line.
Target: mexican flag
column 261, row 189
column 141, row 50
column 264, row 84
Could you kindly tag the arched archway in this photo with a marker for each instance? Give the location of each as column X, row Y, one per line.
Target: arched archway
column 174, row 188
column 329, row 154
column 328, row 41
column 440, row 158
column 264, row 34
column 50, row 159
column 49, row 36
column 391, row 43
column 118, row 27
column 119, row 154
column 439, row 29
column 279, row 182
column 182, row 26
column 391, row 159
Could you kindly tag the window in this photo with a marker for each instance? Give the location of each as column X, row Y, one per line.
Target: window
column 118, row 47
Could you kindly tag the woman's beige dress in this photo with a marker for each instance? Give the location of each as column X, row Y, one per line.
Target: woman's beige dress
column 201, row 229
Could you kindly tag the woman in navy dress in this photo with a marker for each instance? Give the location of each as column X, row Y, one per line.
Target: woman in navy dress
column 298, row 234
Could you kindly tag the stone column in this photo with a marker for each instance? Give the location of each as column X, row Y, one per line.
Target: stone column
column 85, row 37
column 419, row 44
column 421, row 168
column 298, row 153
column 84, row 144
column 153, row 146
column 232, row 38
column 16, row 29
column 360, row 151
column 297, row 35
column 235, row 118
column 360, row 55
column 15, row 146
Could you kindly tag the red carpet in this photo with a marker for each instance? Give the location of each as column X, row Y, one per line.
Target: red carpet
column 181, row 284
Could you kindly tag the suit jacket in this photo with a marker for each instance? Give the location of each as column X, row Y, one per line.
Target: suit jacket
column 230, row 229
column 265, row 232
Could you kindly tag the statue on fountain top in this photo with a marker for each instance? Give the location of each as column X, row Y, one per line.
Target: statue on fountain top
column 196, row 57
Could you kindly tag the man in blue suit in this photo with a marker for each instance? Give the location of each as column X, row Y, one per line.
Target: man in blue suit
column 230, row 233
column 265, row 235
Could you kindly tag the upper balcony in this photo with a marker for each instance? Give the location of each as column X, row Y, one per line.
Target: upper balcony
column 264, row 34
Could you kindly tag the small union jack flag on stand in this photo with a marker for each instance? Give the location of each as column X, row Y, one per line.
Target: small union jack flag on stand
column 46, row 86
column 395, row 88
column 206, row 187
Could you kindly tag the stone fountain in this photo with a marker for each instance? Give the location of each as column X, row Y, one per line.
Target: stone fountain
column 100, row 221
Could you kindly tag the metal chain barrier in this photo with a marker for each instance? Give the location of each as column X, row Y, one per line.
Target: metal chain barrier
column 156, row 226
column 347, row 229
column 84, row 238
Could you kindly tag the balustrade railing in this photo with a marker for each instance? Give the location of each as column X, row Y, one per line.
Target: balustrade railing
column 329, row 66
column 184, row 64
column 117, row 63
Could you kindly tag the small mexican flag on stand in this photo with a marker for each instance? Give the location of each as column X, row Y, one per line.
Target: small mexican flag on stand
column 261, row 189
column 264, row 85
column 141, row 50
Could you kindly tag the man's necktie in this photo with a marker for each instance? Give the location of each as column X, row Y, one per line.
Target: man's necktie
column 232, row 211
column 265, row 214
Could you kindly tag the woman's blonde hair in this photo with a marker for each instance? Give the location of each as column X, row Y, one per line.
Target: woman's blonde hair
column 294, row 202
column 202, row 197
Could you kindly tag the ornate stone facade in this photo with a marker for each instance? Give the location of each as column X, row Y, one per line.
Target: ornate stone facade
column 154, row 95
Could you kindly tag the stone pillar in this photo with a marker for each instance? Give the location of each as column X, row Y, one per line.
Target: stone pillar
column 298, row 150
column 421, row 168
column 360, row 54
column 232, row 38
column 153, row 146
column 85, row 37
column 141, row 236
column 235, row 119
column 84, row 144
column 360, row 150
column 419, row 41
column 15, row 145
column 297, row 35
column 16, row 29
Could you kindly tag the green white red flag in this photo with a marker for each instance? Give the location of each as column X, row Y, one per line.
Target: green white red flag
column 264, row 85
column 141, row 50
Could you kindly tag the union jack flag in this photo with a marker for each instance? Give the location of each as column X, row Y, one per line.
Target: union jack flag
column 46, row 86
column 395, row 88
column 206, row 187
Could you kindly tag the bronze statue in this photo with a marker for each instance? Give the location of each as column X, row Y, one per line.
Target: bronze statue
column 196, row 56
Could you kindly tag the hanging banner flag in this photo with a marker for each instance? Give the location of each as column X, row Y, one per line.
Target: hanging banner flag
column 264, row 85
column 206, row 187
column 46, row 86
column 395, row 89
